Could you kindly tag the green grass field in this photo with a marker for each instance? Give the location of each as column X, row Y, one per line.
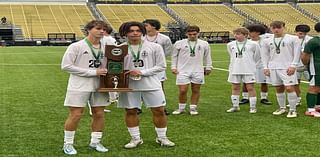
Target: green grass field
column 32, row 116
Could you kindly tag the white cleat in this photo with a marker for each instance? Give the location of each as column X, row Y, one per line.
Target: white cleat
column 253, row 110
column 233, row 109
column 133, row 143
column 69, row 149
column 178, row 111
column 98, row 147
column 279, row 111
column 292, row 114
column 164, row 141
column 194, row 112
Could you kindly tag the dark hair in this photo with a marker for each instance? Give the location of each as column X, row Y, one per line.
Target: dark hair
column 277, row 24
column 302, row 28
column 317, row 27
column 193, row 28
column 108, row 29
column 257, row 28
column 153, row 22
column 95, row 23
column 125, row 27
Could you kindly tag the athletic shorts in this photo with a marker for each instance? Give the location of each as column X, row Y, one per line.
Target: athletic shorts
column 184, row 78
column 305, row 75
column 150, row 99
column 81, row 99
column 314, row 80
column 261, row 77
column 162, row 76
column 279, row 77
column 241, row 78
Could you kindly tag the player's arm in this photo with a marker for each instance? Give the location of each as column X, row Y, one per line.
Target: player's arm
column 159, row 60
column 68, row 65
column 257, row 53
column 174, row 58
column 306, row 54
column 265, row 57
column 296, row 57
column 207, row 61
column 168, row 47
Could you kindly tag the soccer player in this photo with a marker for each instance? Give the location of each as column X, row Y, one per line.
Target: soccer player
column 244, row 54
column 280, row 57
column 301, row 32
column 256, row 33
column 82, row 60
column 144, row 61
column 311, row 58
column 191, row 60
column 153, row 26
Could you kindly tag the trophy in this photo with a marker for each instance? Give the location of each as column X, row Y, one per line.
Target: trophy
column 116, row 80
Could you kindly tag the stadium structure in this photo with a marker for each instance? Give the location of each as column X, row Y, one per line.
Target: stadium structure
column 60, row 22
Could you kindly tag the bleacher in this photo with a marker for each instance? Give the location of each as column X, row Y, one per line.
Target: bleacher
column 313, row 8
column 267, row 13
column 116, row 14
column 209, row 17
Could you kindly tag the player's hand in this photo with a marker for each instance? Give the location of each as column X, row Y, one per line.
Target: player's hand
column 174, row 71
column 291, row 71
column 134, row 72
column 266, row 72
column 102, row 72
column 207, row 72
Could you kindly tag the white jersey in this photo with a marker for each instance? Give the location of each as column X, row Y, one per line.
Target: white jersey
column 109, row 40
column 162, row 40
column 183, row 61
column 288, row 56
column 244, row 64
column 79, row 61
column 151, row 62
column 303, row 43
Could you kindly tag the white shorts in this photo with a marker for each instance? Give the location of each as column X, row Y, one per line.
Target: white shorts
column 150, row 99
column 162, row 76
column 241, row 78
column 280, row 77
column 261, row 77
column 184, row 78
column 80, row 99
column 305, row 75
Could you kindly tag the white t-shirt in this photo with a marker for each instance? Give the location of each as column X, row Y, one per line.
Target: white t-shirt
column 109, row 40
column 162, row 40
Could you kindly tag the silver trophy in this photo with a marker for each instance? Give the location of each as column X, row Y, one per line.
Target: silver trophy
column 115, row 81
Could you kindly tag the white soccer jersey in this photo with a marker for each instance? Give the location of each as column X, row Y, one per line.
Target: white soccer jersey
column 109, row 40
column 289, row 54
column 151, row 62
column 183, row 61
column 303, row 43
column 164, row 41
column 79, row 61
column 244, row 64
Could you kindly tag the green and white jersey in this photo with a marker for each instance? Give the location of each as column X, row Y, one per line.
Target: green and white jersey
column 150, row 60
column 281, row 53
column 313, row 48
column 162, row 40
column 79, row 61
column 191, row 57
column 243, row 57
column 303, row 42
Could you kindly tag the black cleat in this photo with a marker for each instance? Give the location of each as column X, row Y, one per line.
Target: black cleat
column 265, row 102
column 166, row 112
column 139, row 111
column 244, row 101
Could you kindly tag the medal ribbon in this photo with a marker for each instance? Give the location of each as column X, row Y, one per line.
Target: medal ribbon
column 96, row 56
column 302, row 41
column 242, row 49
column 136, row 57
column 277, row 45
column 192, row 49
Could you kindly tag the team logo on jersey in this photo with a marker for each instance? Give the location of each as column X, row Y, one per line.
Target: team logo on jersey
column 85, row 52
column 144, row 53
column 116, row 51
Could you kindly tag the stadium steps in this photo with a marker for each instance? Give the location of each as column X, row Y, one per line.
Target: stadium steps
column 173, row 14
column 313, row 9
column 305, row 12
column 249, row 19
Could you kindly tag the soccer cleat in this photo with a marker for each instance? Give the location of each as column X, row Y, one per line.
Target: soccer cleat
column 244, row 101
column 166, row 112
column 312, row 114
column 133, row 143
column 69, row 149
column 253, row 110
column 265, row 102
column 139, row 111
column 193, row 112
column 164, row 141
column 105, row 110
column 178, row 111
column 98, row 147
column 279, row 111
column 233, row 109
column 292, row 114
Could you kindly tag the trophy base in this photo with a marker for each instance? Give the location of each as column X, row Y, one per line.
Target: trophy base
column 114, row 90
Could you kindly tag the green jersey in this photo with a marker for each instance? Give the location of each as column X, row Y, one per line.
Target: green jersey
column 313, row 48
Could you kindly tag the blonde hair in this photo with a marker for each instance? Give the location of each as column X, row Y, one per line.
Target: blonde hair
column 241, row 30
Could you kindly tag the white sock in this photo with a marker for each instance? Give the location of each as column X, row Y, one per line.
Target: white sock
column 281, row 97
column 235, row 100
column 264, row 95
column 292, row 99
column 311, row 109
column 69, row 137
column 134, row 132
column 253, row 102
column 193, row 107
column 96, row 137
column 182, row 106
column 161, row 132
column 245, row 95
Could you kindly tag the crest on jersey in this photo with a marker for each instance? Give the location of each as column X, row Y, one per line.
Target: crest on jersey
column 144, row 53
